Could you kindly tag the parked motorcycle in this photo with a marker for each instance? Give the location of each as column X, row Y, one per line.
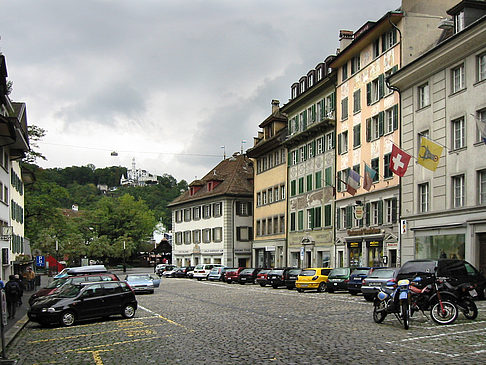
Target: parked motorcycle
column 430, row 297
column 465, row 294
column 394, row 300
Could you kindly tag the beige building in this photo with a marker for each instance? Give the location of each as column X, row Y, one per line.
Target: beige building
column 443, row 97
column 270, row 191
column 367, row 126
column 311, row 150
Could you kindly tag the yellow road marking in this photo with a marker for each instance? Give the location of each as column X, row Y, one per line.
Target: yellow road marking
column 96, row 356
column 89, row 348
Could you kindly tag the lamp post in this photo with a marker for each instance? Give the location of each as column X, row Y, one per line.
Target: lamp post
column 57, row 256
column 124, row 262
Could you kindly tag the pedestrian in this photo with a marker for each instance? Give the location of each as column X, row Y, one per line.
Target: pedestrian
column 30, row 277
column 18, row 279
column 12, row 293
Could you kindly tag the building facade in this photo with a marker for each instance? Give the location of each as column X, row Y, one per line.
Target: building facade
column 311, row 167
column 270, row 191
column 443, row 99
column 212, row 222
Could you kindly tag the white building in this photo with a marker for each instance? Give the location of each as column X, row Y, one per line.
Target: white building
column 138, row 177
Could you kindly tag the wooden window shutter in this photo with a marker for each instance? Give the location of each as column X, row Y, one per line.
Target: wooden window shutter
column 381, row 123
column 395, row 117
column 339, row 143
column 333, row 101
column 380, row 212
column 383, row 43
column 394, row 210
column 338, row 219
column 313, row 148
column 313, row 111
column 368, row 93
column 322, row 109
column 304, row 119
column 368, row 129
column 349, row 216
column 381, row 86
column 311, row 217
column 238, row 233
column 250, row 208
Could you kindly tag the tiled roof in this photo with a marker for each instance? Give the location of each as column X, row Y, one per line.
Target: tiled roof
column 235, row 177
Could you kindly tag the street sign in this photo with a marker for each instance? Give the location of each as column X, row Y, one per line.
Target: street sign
column 40, row 261
column 302, row 250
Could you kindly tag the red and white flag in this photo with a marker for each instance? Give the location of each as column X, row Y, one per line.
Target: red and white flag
column 399, row 161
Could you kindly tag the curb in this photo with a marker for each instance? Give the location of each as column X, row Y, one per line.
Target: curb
column 15, row 329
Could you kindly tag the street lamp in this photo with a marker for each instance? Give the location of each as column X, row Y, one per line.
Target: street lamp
column 57, row 257
column 124, row 262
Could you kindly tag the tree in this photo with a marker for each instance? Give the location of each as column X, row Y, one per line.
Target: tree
column 35, row 134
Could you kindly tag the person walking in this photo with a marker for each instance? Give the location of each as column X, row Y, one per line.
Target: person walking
column 18, row 279
column 12, row 292
column 30, row 277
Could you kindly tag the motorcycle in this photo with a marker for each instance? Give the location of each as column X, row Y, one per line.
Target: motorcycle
column 465, row 293
column 394, row 300
column 434, row 298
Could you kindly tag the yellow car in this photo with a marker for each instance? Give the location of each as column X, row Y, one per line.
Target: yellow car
column 313, row 278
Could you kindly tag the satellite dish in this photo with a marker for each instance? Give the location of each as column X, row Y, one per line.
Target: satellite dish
column 114, row 153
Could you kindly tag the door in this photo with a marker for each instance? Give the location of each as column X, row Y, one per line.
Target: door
column 93, row 302
column 482, row 252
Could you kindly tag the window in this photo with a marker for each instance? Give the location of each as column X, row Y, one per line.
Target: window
column 292, row 221
column 270, row 196
column 343, row 142
column 217, row 209
column 206, row 211
column 319, row 145
column 481, row 62
column 458, row 134
column 482, row 186
column 282, row 223
column 300, row 220
column 423, row 197
column 391, row 210
column 178, row 238
column 294, row 157
column 310, row 218
column 423, row 95
column 217, row 234
column 481, row 115
column 302, row 154
column 357, row 136
column 317, row 217
column 345, row 71
column 258, row 227
column 310, row 150
column 457, row 78
column 196, row 236
column 375, row 165
column 357, row 101
column 187, row 237
column 375, row 90
column 328, row 176
column 327, row 215
column 196, row 213
column 259, row 199
column 458, row 191
column 329, row 139
column 276, row 195
column 282, row 192
column 244, row 208
column 318, row 178
column 391, row 119
column 309, row 182
column 275, row 225
column 375, row 213
column 459, row 22
column 344, row 108
column 375, row 127
column 388, row 39
column 355, row 64
column 376, row 48
column 301, row 185
column 387, row 173
column 293, row 188
column 356, row 168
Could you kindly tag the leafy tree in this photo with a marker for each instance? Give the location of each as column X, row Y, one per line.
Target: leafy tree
column 35, row 134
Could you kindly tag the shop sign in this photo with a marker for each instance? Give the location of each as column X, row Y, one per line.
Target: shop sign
column 358, row 212
column 364, row 231
column 375, row 243
column 354, row 244
column 269, row 248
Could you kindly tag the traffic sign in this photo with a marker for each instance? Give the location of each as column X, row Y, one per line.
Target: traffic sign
column 40, row 261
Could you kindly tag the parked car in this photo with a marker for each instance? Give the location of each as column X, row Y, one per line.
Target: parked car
column 338, row 279
column 217, row 273
column 142, row 283
column 202, row 271
column 75, row 302
column 291, row 277
column 355, row 279
column 313, row 278
column 80, row 270
column 182, row 272
column 190, row 272
column 262, row 277
column 161, row 268
column 377, row 280
column 460, row 271
column 54, row 285
column 231, row 274
column 277, row 277
column 170, row 273
column 247, row 276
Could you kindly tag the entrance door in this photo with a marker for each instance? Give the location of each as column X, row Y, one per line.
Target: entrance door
column 482, row 252
column 308, row 259
column 392, row 260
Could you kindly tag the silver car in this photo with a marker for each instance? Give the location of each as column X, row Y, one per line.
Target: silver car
column 376, row 280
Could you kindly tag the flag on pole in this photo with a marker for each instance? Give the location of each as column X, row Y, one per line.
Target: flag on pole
column 399, row 161
column 369, row 175
column 429, row 154
column 353, row 182
column 481, row 123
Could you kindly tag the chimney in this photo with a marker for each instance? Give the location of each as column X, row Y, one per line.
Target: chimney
column 275, row 106
column 345, row 38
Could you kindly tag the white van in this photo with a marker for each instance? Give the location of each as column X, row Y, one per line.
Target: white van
column 202, row 271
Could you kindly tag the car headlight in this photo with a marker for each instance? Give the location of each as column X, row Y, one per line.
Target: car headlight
column 48, row 310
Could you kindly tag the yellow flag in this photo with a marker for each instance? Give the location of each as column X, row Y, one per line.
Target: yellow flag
column 429, row 154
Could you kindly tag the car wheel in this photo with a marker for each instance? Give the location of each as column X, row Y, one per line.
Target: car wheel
column 199, row 279
column 353, row 292
column 275, row 286
column 321, row 287
column 300, row 290
column 262, row 284
column 68, row 318
column 128, row 311
column 329, row 290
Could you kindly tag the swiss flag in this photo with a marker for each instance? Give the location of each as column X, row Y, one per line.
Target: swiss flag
column 399, row 161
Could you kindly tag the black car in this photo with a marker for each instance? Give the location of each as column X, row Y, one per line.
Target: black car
column 459, row 271
column 291, row 277
column 355, row 279
column 74, row 302
column 277, row 277
column 248, row 276
column 338, row 279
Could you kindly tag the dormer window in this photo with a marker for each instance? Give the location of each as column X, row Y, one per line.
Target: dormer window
column 459, row 22
column 310, row 79
column 212, row 185
column 319, row 74
column 269, row 131
column 302, row 84
column 295, row 90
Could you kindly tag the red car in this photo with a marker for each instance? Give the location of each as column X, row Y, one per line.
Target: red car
column 262, row 278
column 232, row 274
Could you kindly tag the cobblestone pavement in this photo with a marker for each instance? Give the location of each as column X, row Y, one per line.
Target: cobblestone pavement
column 191, row 322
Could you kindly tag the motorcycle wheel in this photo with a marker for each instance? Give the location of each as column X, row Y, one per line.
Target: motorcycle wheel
column 471, row 310
column 379, row 311
column 405, row 309
column 449, row 314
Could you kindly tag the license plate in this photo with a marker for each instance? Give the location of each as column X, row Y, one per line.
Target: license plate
column 473, row 292
column 243, row 279
column 303, row 285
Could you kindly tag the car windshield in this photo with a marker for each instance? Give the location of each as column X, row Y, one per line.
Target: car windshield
column 418, row 266
column 215, row 270
column 68, row 291
column 325, row 271
column 247, row 271
column 199, row 267
column 339, row 272
column 137, row 277
column 294, row 272
column 308, row 273
column 382, row 274
column 360, row 272
column 56, row 283
column 264, row 271
column 277, row 272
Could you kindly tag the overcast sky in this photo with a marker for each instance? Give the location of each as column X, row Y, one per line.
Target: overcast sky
column 165, row 82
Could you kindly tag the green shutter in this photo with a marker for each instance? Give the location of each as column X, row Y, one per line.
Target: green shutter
column 318, row 179
column 349, row 216
column 394, row 69
column 394, row 210
column 381, row 86
column 368, row 93
column 338, row 219
column 313, row 111
column 395, row 117
column 304, row 120
column 368, row 129
column 381, row 123
column 311, row 217
column 328, row 176
column 300, row 220
column 327, row 215
column 317, row 217
column 313, row 148
column 322, row 111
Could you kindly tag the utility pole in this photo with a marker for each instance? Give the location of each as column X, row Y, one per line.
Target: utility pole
column 124, row 262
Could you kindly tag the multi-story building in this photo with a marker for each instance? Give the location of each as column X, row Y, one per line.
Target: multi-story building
column 14, row 143
column 443, row 99
column 270, row 191
column 311, row 149
column 212, row 221
column 138, row 177
column 367, row 126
